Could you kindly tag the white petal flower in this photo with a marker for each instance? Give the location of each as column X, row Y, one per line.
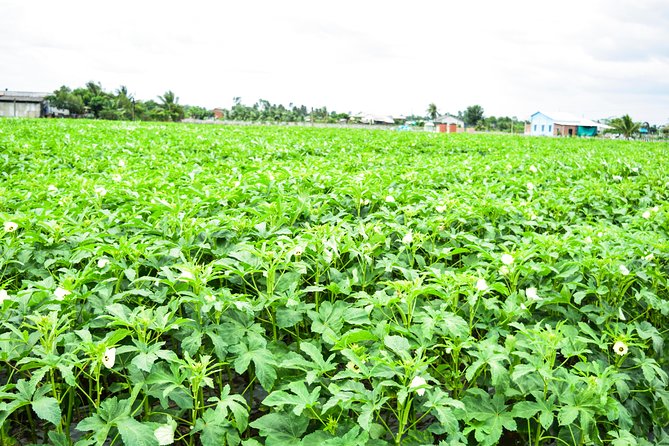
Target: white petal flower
column 408, row 238
column 655, row 209
column 617, row 178
column 533, row 169
column 623, row 270
column 164, row 434
column 504, row 270
column 620, row 348
column 418, row 384
column 186, row 275
column 588, row 240
column 481, row 285
column 121, row 163
column 52, row 188
column 10, row 226
column 60, row 293
column 531, row 294
column 109, row 358
column 530, row 186
column 507, row 259
column 390, row 199
column 100, row 190
column 3, row 296
column 440, row 209
column 646, row 215
column 103, row 262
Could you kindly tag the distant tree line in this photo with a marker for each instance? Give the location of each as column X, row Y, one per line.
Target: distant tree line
column 94, row 102
column 265, row 111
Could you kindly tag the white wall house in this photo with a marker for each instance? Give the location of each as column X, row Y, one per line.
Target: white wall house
column 541, row 125
column 562, row 124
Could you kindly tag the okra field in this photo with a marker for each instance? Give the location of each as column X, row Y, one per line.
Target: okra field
column 218, row 285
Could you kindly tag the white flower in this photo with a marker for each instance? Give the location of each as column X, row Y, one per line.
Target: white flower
column 10, row 226
column 237, row 183
column 504, row 270
column 481, row 285
column 109, row 357
column 52, row 188
column 390, row 199
column 530, row 186
column 121, row 163
column 623, row 270
column 531, row 293
column 186, row 275
column 655, row 209
column 408, row 238
column 533, row 169
column 620, row 348
column 116, row 177
column 621, row 315
column 60, row 293
column 507, row 259
column 210, row 298
column 103, row 262
column 418, row 383
column 646, row 215
column 100, row 190
column 588, row 240
column 617, row 178
column 523, row 307
column 440, row 209
column 164, row 434
column 3, row 296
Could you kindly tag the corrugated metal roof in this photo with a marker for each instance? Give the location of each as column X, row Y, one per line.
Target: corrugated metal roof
column 564, row 118
column 22, row 96
column 448, row 119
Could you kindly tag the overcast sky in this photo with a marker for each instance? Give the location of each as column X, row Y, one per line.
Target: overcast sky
column 594, row 58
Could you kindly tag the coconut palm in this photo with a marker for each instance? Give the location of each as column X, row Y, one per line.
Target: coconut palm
column 170, row 106
column 432, row 111
column 625, row 126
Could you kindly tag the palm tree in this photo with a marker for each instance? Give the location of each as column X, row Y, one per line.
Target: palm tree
column 432, row 111
column 170, row 106
column 625, row 126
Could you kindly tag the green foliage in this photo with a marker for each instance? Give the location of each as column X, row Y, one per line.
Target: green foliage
column 193, row 284
column 624, row 126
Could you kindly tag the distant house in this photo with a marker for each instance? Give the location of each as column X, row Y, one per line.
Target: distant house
column 562, row 124
column 449, row 124
column 23, row 104
column 219, row 113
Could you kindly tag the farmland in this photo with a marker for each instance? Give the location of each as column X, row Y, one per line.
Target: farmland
column 216, row 285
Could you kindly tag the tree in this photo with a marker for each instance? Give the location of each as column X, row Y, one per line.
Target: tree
column 625, row 126
column 65, row 99
column 170, row 107
column 432, row 111
column 473, row 115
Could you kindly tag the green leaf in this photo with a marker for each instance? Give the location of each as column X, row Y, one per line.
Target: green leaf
column 281, row 428
column 47, row 408
column 134, row 433
column 299, row 399
column 214, row 429
column 525, row 409
column 567, row 415
column 399, row 345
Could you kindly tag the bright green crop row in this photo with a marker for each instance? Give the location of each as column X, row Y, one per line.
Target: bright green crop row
column 296, row 286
